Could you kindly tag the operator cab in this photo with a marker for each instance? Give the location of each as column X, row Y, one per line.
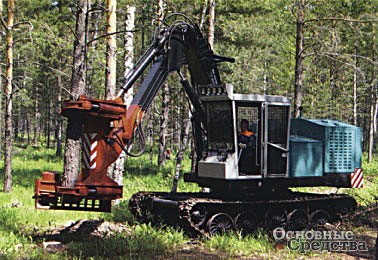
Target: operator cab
column 247, row 135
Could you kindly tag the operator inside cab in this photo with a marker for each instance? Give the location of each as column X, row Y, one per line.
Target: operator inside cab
column 247, row 145
column 246, row 136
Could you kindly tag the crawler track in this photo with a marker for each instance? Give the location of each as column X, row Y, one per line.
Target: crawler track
column 208, row 214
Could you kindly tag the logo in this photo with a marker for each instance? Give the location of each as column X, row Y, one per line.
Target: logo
column 321, row 241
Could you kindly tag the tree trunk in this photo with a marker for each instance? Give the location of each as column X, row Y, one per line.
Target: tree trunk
column 180, row 155
column 163, row 125
column 117, row 167
column 37, row 116
column 355, row 86
column 28, row 128
column 78, row 81
column 298, row 94
column 111, row 49
column 373, row 103
column 164, row 117
column 371, row 124
column 23, row 125
column 111, row 70
column 160, row 11
column 95, row 18
column 210, row 35
column 150, row 130
column 16, row 118
column 8, row 100
column 1, row 88
column 203, row 13
column 178, row 123
column 266, row 78
column 48, row 126
column 59, row 119
column 332, row 74
column 59, row 125
column 129, row 49
column 210, row 39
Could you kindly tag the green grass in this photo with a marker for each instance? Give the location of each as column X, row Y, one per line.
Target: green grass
column 234, row 244
column 142, row 241
column 370, row 168
column 19, row 221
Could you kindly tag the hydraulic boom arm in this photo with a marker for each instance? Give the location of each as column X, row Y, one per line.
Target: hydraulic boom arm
column 108, row 126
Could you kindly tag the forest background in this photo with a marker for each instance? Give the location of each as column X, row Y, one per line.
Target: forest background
column 337, row 55
column 321, row 54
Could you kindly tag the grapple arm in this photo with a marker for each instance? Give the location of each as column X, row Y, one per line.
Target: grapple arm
column 103, row 138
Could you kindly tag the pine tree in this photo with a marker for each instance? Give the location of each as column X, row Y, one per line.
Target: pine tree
column 78, row 82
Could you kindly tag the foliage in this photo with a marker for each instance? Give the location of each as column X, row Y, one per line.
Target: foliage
column 259, row 34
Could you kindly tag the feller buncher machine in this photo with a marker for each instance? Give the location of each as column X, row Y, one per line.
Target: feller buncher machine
column 249, row 185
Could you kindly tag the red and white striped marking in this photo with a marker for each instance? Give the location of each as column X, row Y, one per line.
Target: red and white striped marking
column 89, row 150
column 357, row 178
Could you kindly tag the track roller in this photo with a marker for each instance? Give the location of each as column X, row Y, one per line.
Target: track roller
column 246, row 222
column 298, row 220
column 319, row 218
column 220, row 223
column 275, row 218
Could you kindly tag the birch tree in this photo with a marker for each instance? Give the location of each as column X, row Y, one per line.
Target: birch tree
column 298, row 93
column 116, row 169
column 9, row 98
column 203, row 13
column 118, row 165
column 164, row 116
column 111, row 50
column 111, row 64
column 210, row 35
column 210, row 39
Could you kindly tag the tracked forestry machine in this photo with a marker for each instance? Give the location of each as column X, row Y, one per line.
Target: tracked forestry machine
column 249, row 181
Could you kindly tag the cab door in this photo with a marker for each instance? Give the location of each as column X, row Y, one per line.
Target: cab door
column 276, row 140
